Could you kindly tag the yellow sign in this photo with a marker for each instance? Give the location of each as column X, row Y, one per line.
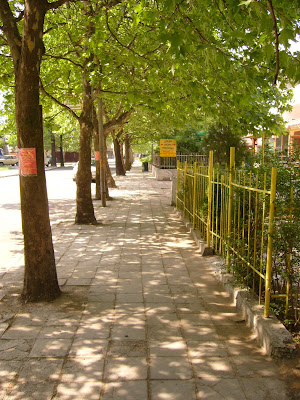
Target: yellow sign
column 167, row 148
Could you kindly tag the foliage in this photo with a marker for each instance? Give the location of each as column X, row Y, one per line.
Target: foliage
column 220, row 138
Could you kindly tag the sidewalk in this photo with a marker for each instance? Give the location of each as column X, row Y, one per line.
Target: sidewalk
column 141, row 316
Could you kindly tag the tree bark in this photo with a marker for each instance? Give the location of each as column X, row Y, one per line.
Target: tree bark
column 85, row 209
column 40, row 278
column 53, row 151
column 96, row 148
column 119, row 164
column 128, row 155
column 62, row 164
column 109, row 178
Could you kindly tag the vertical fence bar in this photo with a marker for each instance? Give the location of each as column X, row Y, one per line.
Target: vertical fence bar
column 232, row 156
column 194, row 195
column 184, row 187
column 178, row 183
column 210, row 174
column 270, row 243
column 289, row 258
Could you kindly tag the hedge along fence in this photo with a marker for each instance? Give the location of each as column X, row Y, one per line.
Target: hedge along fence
column 234, row 210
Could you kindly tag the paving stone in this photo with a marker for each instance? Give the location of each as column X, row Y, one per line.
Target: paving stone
column 219, row 388
column 40, row 370
column 170, row 368
column 265, row 388
column 59, row 332
column 31, row 391
column 127, row 348
column 93, row 330
column 209, row 368
column 134, row 332
column 9, row 370
column 126, row 369
column 63, row 319
column 213, row 348
column 168, row 348
column 173, row 390
column 78, row 390
column 82, row 370
column 254, row 366
column 132, row 390
column 3, row 327
column 14, row 349
column 129, row 298
column 50, row 348
column 88, row 348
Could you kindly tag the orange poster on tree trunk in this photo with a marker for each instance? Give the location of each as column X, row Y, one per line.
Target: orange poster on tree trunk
column 27, row 159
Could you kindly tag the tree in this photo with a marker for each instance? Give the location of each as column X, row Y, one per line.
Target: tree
column 23, row 30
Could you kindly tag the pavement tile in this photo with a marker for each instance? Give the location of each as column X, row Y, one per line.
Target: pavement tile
column 51, row 347
column 127, row 348
column 131, row 390
column 218, row 388
column 9, row 370
column 78, row 390
column 209, row 368
column 63, row 319
column 129, row 298
column 167, row 348
column 80, row 370
column 40, row 370
column 201, row 348
column 170, row 368
column 88, row 348
column 59, row 332
column 14, row 349
column 199, row 332
column 254, row 366
column 3, row 327
column 133, row 332
column 265, row 388
column 173, row 390
column 93, row 330
column 31, row 391
column 78, row 281
column 126, row 369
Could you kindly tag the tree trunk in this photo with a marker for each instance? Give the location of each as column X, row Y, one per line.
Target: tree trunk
column 40, row 278
column 62, row 164
column 85, row 209
column 96, row 148
column 53, row 151
column 128, row 157
column 109, row 178
column 119, row 164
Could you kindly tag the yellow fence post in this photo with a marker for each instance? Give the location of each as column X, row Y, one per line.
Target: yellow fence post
column 232, row 160
column 289, row 258
column 178, row 183
column 184, row 186
column 210, row 175
column 270, row 244
column 194, row 195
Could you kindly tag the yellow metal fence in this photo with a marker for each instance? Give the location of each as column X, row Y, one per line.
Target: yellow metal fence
column 234, row 212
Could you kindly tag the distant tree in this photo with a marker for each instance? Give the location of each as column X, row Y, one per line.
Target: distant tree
column 220, row 138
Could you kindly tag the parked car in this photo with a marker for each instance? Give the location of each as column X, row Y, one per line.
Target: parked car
column 93, row 170
column 8, row 160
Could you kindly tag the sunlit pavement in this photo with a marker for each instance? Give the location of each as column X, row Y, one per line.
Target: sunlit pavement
column 141, row 316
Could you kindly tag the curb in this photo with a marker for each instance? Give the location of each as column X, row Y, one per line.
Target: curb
column 270, row 332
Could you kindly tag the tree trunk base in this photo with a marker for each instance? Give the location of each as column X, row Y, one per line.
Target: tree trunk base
column 48, row 294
